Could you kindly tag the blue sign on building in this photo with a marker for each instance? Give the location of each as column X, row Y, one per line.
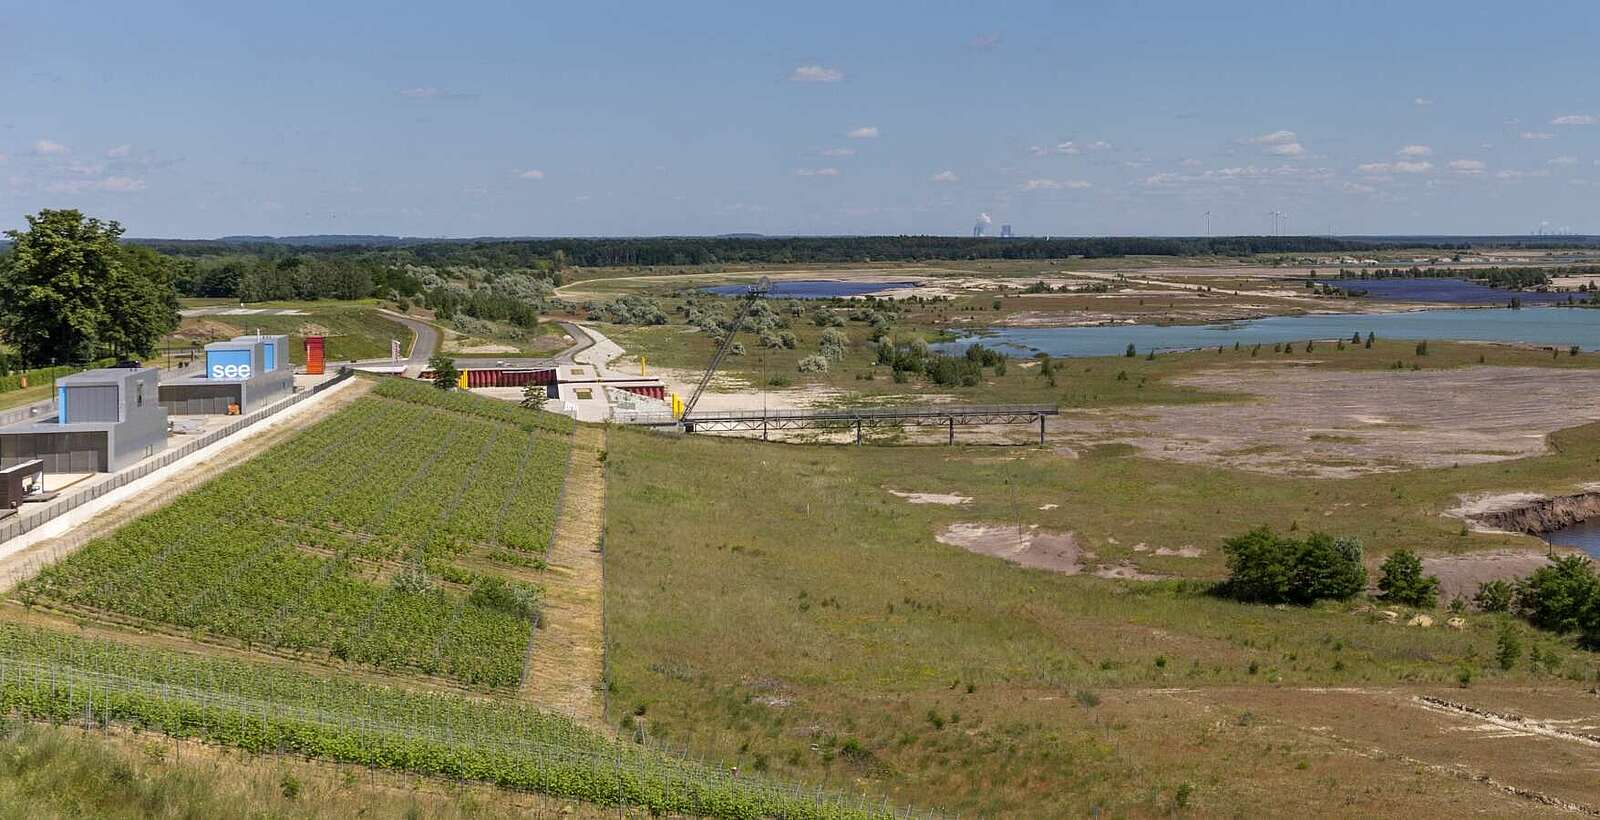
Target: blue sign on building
column 229, row 365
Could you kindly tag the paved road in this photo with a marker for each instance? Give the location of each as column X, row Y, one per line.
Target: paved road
column 423, row 346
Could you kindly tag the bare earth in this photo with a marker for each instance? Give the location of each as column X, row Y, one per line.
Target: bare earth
column 566, row 660
column 1031, row 547
column 1460, row 575
column 1309, row 421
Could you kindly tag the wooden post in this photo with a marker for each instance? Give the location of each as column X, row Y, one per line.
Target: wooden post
column 858, row 431
column 1041, row 429
column 952, row 421
column 763, row 428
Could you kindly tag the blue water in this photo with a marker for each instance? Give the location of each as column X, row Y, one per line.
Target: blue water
column 1584, row 535
column 1448, row 291
column 1561, row 327
column 813, row 289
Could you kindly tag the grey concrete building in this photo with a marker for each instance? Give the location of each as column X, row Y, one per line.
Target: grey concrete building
column 241, row 375
column 105, row 420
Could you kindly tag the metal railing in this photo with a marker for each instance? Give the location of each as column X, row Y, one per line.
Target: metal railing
column 19, row 524
column 851, row 413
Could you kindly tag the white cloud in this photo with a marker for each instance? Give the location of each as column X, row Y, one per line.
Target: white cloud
column 946, row 176
column 1191, row 163
column 865, row 132
column 46, row 148
column 1414, row 151
column 531, row 173
column 1467, row 166
column 1054, row 184
column 1422, row 101
column 815, row 74
column 1401, row 167
column 838, row 152
column 1358, row 188
column 114, row 184
column 121, row 184
column 1242, row 174
column 1279, row 143
column 1513, row 176
column 422, row 92
column 817, row 172
column 986, row 41
column 1563, row 161
column 1068, row 148
column 119, row 152
column 1576, row 119
column 1537, row 135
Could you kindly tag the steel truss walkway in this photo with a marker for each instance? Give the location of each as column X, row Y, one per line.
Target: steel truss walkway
column 936, row 415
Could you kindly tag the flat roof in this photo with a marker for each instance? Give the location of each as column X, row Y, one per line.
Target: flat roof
column 102, row 375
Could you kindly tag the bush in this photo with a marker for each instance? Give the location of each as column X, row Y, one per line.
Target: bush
column 1267, row 568
column 813, row 364
column 832, row 344
column 1562, row 597
column 517, row 600
column 1402, row 581
column 1494, row 596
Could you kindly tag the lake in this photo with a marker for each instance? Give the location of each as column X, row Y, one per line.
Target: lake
column 813, row 289
column 1584, row 535
column 1447, row 291
column 1561, row 327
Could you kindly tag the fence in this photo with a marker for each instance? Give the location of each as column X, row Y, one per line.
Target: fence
column 19, row 524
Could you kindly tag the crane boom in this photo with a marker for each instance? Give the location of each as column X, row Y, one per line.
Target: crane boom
column 751, row 296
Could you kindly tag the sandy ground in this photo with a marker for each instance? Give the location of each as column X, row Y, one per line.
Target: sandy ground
column 947, row 499
column 1336, row 424
column 1028, row 547
column 24, row 555
column 1460, row 575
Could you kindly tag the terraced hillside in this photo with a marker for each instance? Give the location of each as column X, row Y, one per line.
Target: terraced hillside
column 402, row 533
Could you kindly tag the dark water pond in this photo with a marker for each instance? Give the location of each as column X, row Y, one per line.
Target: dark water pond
column 1448, row 291
column 1561, row 327
column 813, row 289
column 1584, row 535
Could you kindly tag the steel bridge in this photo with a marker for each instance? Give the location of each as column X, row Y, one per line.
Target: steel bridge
column 948, row 416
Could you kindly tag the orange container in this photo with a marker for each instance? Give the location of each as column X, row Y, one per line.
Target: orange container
column 315, row 362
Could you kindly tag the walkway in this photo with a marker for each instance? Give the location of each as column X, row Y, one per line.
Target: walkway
column 566, row 661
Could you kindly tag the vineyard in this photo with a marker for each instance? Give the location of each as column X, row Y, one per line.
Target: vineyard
column 396, row 534
column 46, row 675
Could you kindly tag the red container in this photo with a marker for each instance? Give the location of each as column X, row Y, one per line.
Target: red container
column 316, row 365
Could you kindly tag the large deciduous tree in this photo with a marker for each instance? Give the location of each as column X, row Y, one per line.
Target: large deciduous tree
column 68, row 291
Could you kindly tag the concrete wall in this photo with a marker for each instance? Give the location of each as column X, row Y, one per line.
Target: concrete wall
column 70, row 452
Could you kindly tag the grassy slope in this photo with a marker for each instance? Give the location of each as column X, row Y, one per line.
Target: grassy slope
column 355, row 329
column 821, row 615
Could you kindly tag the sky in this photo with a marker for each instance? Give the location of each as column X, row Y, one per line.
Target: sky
column 1097, row 117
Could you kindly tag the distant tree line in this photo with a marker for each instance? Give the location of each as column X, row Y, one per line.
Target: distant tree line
column 1510, row 278
column 556, row 254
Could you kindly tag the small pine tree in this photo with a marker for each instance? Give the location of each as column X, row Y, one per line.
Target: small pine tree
column 1402, row 581
column 1131, row 352
column 1508, row 647
column 1371, row 337
column 445, row 373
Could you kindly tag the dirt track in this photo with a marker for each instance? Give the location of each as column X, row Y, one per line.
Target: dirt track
column 1334, row 424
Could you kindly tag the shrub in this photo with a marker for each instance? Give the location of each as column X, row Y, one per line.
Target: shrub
column 813, row 364
column 1402, row 581
column 832, row 344
column 1267, row 568
column 1508, row 647
column 494, row 592
column 1562, row 597
column 1494, row 596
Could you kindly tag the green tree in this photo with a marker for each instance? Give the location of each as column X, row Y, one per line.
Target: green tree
column 1508, row 647
column 1563, row 596
column 1259, row 569
column 53, row 286
column 445, row 373
column 534, row 396
column 140, row 299
column 1402, row 582
column 1326, row 567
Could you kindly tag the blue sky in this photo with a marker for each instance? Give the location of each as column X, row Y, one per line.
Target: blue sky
column 520, row 118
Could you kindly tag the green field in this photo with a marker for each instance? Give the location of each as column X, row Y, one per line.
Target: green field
column 820, row 628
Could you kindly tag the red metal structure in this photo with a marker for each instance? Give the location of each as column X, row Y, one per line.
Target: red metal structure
column 316, row 362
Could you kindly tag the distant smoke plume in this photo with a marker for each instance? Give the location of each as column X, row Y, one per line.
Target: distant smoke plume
column 982, row 225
